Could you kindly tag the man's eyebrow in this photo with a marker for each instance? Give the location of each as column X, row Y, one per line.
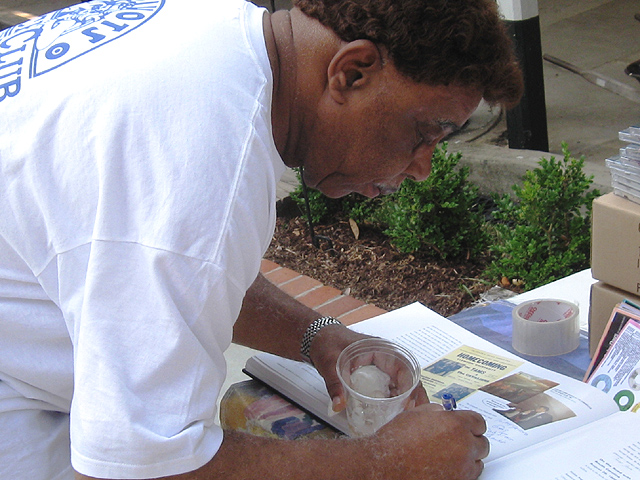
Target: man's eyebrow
column 447, row 125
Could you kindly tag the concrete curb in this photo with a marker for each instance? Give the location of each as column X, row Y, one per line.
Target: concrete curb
column 492, row 168
column 496, row 169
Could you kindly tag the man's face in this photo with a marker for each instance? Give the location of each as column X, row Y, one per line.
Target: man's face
column 382, row 134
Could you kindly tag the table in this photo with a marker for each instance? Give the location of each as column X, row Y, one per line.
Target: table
column 254, row 408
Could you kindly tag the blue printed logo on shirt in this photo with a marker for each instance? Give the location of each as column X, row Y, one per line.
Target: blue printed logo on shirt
column 36, row 47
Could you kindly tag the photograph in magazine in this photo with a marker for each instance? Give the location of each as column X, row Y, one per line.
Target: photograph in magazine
column 467, row 370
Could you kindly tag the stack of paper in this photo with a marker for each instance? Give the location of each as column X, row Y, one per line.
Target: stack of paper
column 625, row 168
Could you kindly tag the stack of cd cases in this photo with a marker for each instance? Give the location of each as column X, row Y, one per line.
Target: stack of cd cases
column 625, row 168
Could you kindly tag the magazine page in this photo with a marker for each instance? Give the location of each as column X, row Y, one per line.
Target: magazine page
column 606, row 449
column 618, row 374
column 522, row 403
column 620, row 315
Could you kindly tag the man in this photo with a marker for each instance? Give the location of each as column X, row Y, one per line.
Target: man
column 140, row 146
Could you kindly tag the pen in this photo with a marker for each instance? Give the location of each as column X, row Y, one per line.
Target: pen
column 448, row 401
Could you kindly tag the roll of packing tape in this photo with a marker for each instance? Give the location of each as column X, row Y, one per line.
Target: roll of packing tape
column 546, row 327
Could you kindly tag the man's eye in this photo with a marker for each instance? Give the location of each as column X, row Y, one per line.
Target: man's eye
column 431, row 140
column 430, row 135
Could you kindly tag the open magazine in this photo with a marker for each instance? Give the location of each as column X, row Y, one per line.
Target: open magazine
column 533, row 414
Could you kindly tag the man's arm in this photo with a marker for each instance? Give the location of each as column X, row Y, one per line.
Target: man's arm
column 274, row 322
column 425, row 443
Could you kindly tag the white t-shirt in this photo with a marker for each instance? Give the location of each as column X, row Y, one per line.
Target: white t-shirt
column 137, row 177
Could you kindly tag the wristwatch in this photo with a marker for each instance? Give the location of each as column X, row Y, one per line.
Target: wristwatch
column 311, row 332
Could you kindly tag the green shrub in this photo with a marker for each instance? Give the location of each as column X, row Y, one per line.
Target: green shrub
column 438, row 217
column 321, row 206
column 545, row 234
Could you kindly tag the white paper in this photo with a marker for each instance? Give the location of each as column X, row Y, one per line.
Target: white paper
column 605, row 449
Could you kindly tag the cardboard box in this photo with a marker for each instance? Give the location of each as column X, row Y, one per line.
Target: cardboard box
column 603, row 300
column 615, row 242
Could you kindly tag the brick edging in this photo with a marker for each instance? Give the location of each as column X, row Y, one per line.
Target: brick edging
column 324, row 299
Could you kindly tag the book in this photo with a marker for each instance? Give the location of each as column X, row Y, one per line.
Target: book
column 621, row 314
column 533, row 414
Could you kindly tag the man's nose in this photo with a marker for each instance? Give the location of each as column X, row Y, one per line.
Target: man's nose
column 420, row 168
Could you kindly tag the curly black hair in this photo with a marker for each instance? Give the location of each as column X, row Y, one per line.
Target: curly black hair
column 437, row 42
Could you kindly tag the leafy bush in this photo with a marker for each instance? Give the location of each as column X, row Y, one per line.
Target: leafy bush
column 321, row 206
column 541, row 235
column 438, row 217
column 545, row 234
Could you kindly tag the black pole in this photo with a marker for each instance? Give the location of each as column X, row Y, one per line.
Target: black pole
column 315, row 239
column 527, row 122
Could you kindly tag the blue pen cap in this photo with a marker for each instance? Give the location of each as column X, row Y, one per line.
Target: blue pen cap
column 448, row 401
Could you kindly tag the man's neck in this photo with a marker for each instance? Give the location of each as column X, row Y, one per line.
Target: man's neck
column 282, row 56
column 300, row 50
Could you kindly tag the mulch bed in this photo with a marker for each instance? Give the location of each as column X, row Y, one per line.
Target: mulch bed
column 362, row 263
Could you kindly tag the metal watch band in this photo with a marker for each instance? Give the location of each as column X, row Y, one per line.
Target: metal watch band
column 311, row 332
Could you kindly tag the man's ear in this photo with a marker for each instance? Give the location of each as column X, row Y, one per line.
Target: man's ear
column 353, row 67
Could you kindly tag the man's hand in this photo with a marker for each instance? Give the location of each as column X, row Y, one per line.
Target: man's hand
column 429, row 442
column 324, row 352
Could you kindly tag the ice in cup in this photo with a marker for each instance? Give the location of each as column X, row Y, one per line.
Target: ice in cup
column 378, row 377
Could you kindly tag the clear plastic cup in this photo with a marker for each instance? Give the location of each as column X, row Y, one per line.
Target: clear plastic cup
column 366, row 414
